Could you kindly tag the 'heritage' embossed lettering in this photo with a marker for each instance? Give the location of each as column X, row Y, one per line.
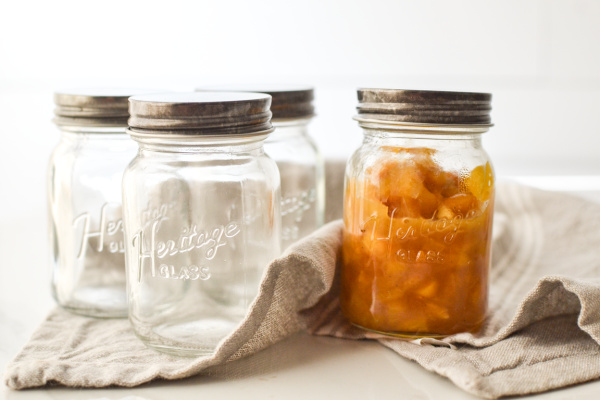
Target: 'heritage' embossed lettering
column 190, row 239
column 109, row 233
column 406, row 231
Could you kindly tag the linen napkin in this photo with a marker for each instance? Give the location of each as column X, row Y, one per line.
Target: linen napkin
column 542, row 331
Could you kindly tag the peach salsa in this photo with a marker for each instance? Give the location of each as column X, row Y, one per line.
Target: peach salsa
column 416, row 246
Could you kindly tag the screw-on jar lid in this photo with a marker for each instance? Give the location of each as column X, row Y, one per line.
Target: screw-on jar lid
column 93, row 107
column 424, row 107
column 201, row 113
column 289, row 102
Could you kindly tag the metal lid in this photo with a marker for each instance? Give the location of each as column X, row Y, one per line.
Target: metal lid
column 200, row 113
column 289, row 102
column 93, row 107
column 424, row 107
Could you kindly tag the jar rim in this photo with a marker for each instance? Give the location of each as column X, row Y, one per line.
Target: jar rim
column 421, row 127
column 143, row 134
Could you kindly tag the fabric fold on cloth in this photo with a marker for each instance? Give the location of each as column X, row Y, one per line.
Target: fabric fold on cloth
column 78, row 351
column 542, row 331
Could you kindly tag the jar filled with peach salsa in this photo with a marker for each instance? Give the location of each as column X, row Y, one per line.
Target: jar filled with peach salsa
column 419, row 197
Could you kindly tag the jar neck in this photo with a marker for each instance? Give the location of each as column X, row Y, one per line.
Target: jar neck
column 191, row 144
column 286, row 129
column 421, row 136
column 76, row 135
column 92, row 130
column 292, row 122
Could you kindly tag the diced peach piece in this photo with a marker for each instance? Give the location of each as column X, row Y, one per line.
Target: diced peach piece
column 489, row 181
column 444, row 211
column 461, row 204
column 401, row 180
column 403, row 207
column 424, row 205
column 437, row 311
column 475, row 182
column 428, row 290
column 428, row 203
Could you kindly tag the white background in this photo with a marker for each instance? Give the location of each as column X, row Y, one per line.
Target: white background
column 539, row 58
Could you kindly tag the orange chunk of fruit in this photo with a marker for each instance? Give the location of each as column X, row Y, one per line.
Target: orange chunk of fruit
column 461, row 203
column 474, row 183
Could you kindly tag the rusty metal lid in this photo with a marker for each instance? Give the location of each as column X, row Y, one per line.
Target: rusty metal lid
column 289, row 102
column 424, row 107
column 100, row 107
column 201, row 113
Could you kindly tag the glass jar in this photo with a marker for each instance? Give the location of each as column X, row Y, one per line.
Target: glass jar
column 84, row 198
column 299, row 161
column 419, row 196
column 202, row 216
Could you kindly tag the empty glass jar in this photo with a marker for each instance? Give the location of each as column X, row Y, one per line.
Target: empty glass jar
column 300, row 164
column 84, row 197
column 418, row 214
column 202, row 216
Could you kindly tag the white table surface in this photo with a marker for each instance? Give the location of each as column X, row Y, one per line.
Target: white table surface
column 301, row 367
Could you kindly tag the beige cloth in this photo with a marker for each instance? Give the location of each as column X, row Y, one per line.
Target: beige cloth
column 542, row 332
